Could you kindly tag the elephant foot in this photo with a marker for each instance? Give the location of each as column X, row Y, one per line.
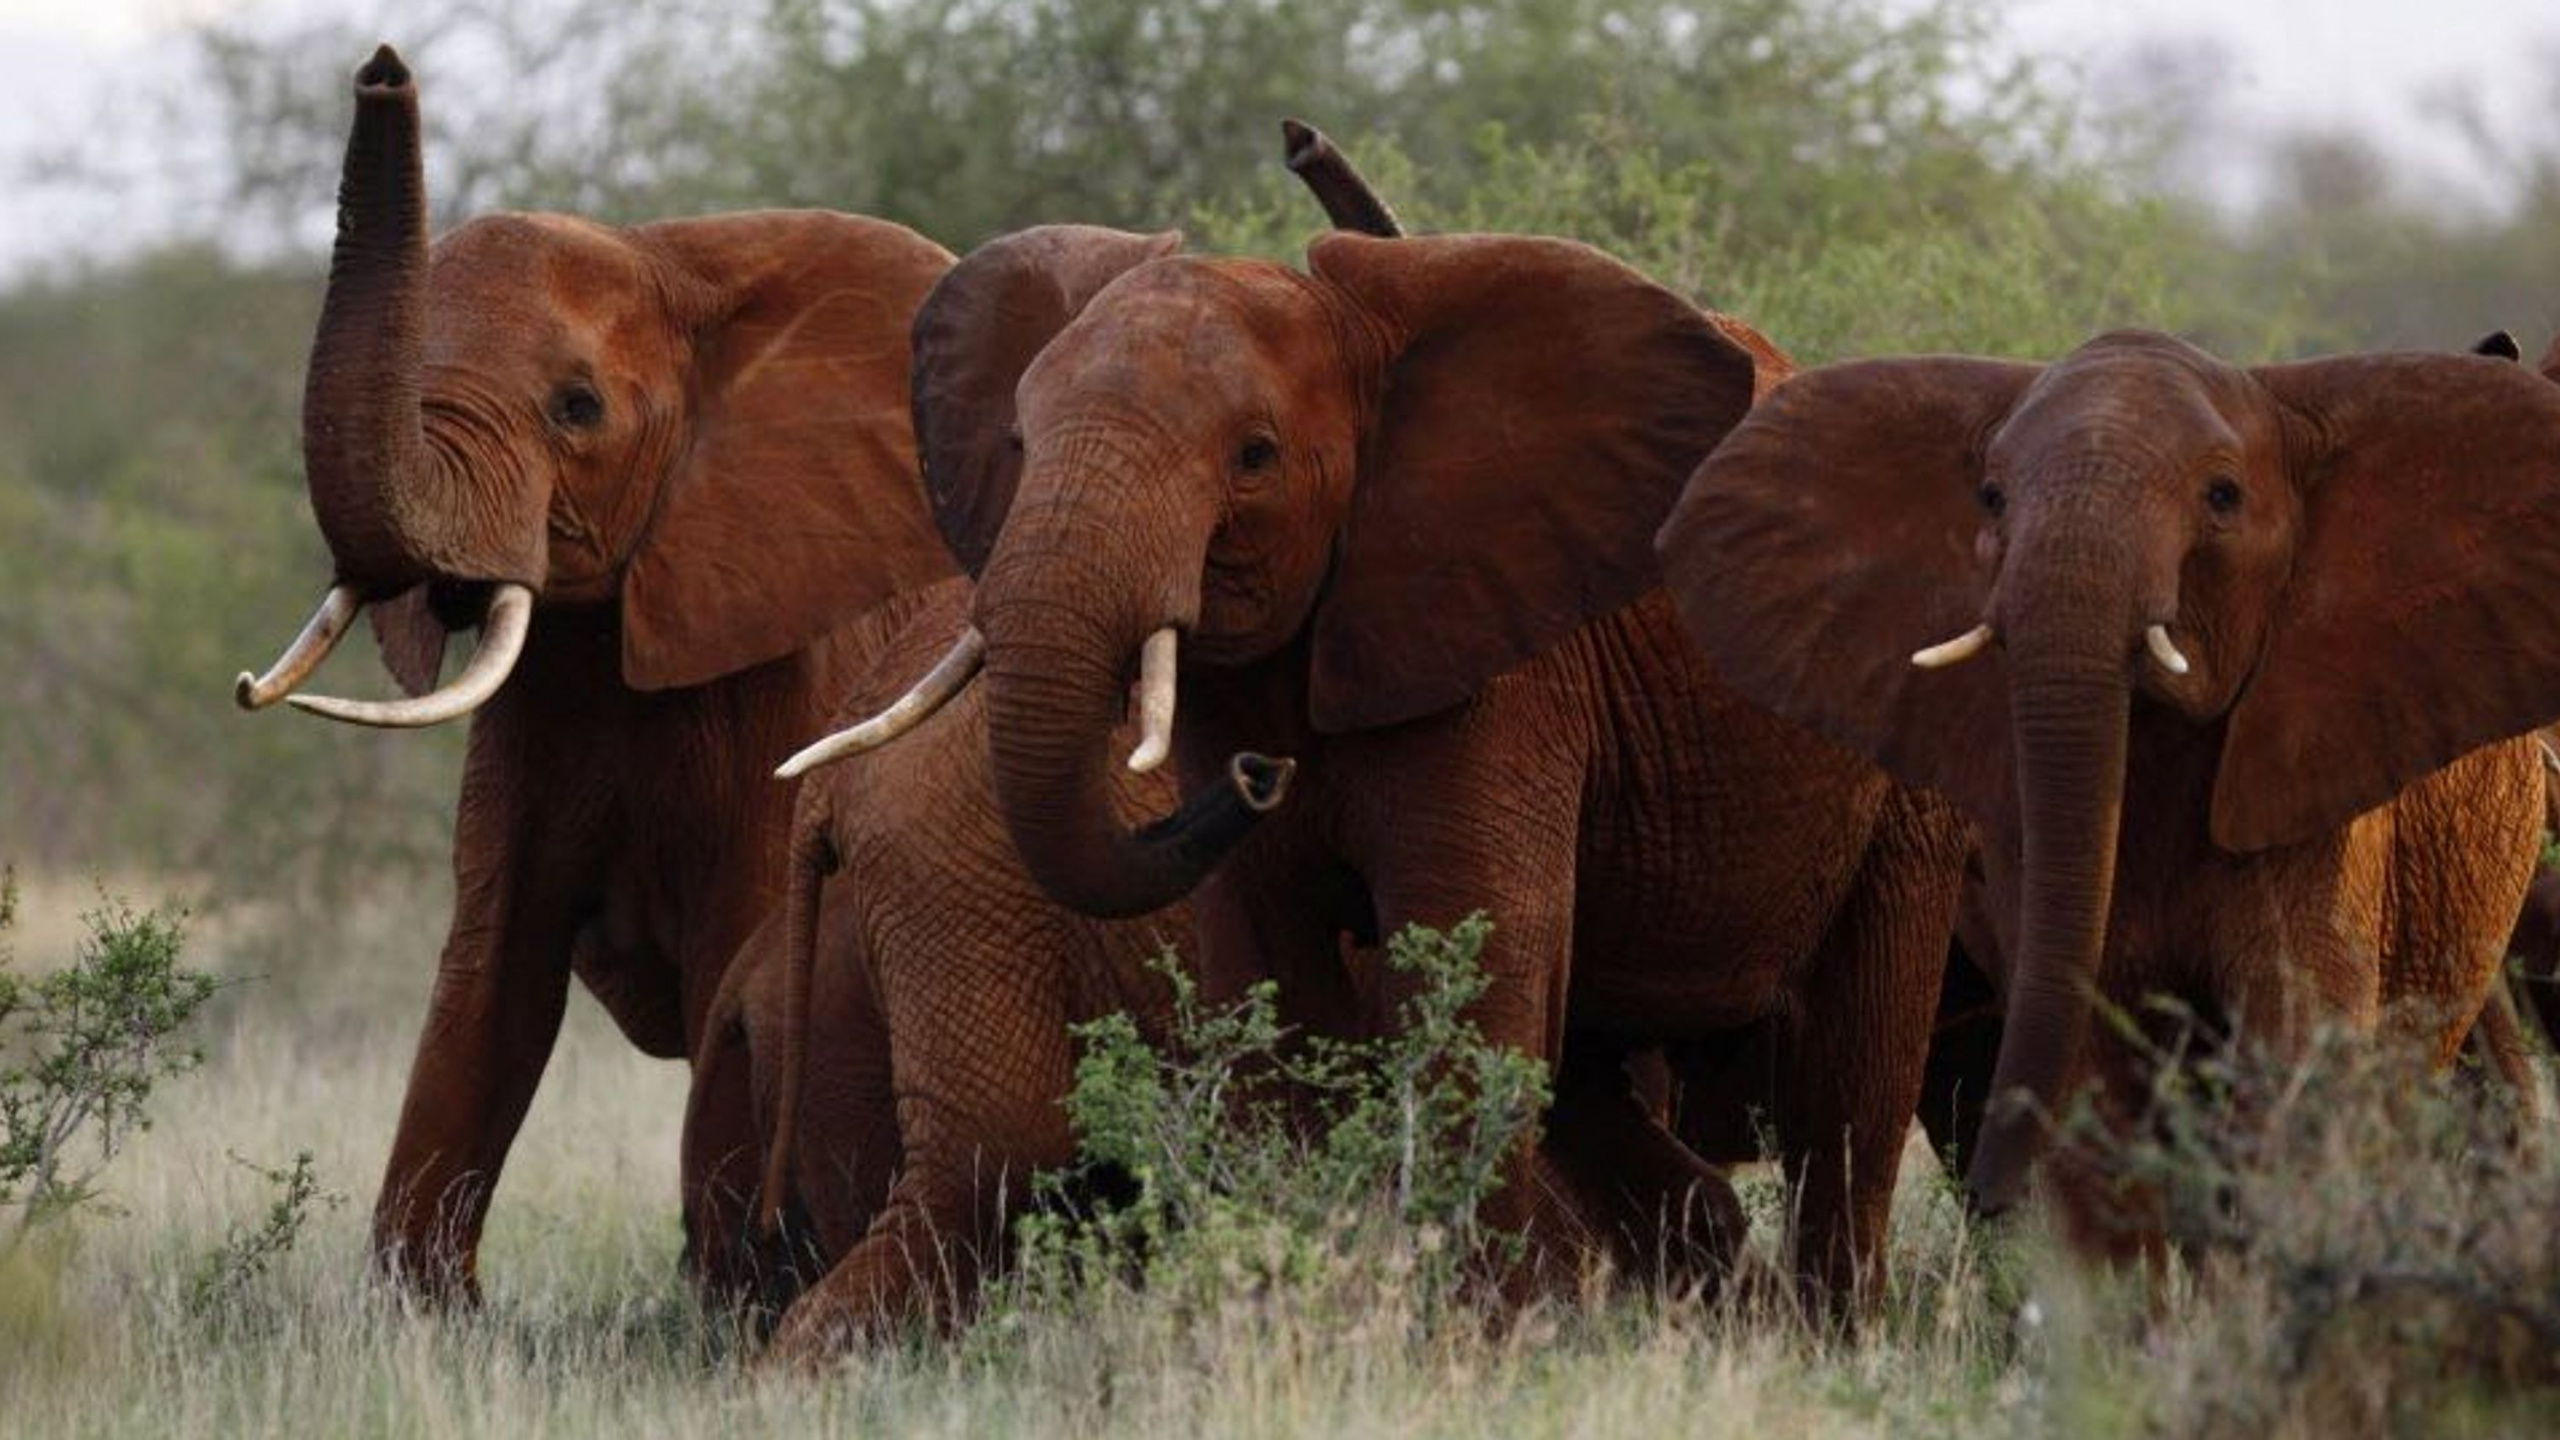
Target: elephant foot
column 429, row 1276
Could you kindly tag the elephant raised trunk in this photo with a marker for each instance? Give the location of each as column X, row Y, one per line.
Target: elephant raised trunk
column 361, row 442
column 393, row 517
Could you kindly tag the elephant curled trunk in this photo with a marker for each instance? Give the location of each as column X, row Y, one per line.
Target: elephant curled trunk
column 1053, row 779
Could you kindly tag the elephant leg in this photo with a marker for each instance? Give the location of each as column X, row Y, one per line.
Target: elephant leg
column 2498, row 1066
column 848, row 1154
column 1964, row 1049
column 490, row 1027
column 1856, row 1047
column 501, row 987
column 1507, row 848
column 721, row 1161
column 980, row 1059
column 1663, row 1214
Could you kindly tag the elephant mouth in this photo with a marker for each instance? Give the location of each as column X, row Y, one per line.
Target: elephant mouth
column 461, row 604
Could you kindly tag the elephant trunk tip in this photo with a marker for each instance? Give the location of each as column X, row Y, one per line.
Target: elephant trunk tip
column 1261, row 781
column 385, row 71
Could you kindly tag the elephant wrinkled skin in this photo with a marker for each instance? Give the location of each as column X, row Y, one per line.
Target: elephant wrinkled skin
column 1395, row 514
column 688, row 444
column 2235, row 643
column 938, row 987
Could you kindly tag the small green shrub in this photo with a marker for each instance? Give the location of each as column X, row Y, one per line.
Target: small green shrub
column 81, row 1051
column 1254, row 1165
column 230, row 1273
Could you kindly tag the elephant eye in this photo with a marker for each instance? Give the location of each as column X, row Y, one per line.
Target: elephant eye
column 577, row 406
column 1993, row 498
column 1259, row 453
column 1013, row 438
column 2223, row 495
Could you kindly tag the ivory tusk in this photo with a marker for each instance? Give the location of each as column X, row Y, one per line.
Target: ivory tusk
column 2165, row 650
column 1951, row 652
column 948, row 677
column 501, row 642
column 1156, row 672
column 320, row 635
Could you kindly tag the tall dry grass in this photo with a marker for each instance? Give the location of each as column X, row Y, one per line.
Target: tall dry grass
column 589, row 1331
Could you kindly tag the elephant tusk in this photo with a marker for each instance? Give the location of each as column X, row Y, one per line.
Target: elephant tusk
column 948, row 677
column 2165, row 650
column 1952, row 652
column 501, row 642
column 1156, row 670
column 320, row 635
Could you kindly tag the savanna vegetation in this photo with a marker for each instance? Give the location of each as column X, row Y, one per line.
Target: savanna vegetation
column 1853, row 176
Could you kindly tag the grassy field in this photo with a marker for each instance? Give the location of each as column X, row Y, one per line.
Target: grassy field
column 588, row 1330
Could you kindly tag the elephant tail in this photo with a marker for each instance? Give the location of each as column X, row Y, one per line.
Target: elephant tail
column 809, row 863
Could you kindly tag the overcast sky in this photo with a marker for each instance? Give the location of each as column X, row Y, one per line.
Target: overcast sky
column 2362, row 63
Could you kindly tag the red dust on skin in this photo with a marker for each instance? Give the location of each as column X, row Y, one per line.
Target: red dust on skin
column 2354, row 556
column 1401, row 507
column 618, row 418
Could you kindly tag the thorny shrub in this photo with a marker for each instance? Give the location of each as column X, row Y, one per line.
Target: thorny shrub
column 1237, row 1165
column 81, row 1051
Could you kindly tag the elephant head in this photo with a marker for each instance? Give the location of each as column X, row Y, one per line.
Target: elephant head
column 2333, row 577
column 700, row 420
column 1408, row 468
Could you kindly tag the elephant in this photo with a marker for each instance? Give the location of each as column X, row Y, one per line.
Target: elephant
column 663, row 469
column 2238, row 657
column 900, row 1141
column 1390, row 517
column 908, row 1040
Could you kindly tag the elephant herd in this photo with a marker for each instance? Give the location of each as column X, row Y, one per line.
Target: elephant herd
column 1828, row 746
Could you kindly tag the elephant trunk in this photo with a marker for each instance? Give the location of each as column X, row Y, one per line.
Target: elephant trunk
column 362, row 448
column 1064, row 631
column 812, row 859
column 2070, row 657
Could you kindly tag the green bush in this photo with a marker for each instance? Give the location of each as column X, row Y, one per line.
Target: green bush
column 81, row 1051
column 1262, row 1166
column 229, row 1274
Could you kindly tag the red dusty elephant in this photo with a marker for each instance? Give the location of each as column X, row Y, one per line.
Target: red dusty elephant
column 662, row 468
column 1391, row 516
column 2229, row 645
column 909, row 1040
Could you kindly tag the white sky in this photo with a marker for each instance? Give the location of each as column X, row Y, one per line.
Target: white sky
column 2362, row 63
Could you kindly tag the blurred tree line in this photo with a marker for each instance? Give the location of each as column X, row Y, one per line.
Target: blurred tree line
column 1854, row 176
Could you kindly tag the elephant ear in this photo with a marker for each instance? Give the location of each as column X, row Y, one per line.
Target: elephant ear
column 2423, row 617
column 411, row 637
column 2551, row 360
column 794, row 507
column 1540, row 405
column 975, row 335
column 1833, row 534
